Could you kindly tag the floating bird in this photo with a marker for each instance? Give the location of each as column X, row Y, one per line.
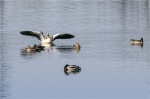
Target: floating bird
column 29, row 49
column 72, row 67
column 133, row 41
column 68, row 69
column 47, row 38
column 76, row 46
column 35, row 48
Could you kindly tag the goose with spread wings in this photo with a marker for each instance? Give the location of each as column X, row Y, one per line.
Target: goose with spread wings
column 47, row 38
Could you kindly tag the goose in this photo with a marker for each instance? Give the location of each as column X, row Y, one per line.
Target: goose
column 133, row 41
column 47, row 38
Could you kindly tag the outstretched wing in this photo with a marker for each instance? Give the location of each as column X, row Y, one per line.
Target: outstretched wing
column 62, row 36
column 38, row 34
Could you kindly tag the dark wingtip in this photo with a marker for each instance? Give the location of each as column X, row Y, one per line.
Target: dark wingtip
column 71, row 36
column 23, row 32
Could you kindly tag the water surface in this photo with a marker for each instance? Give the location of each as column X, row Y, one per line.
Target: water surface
column 112, row 68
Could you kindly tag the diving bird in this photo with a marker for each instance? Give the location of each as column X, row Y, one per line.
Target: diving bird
column 47, row 38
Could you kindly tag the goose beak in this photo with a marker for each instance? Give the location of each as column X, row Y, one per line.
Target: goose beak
column 47, row 34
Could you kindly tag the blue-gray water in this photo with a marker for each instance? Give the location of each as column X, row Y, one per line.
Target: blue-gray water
column 112, row 68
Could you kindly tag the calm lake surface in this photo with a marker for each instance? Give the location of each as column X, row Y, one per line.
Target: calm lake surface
column 111, row 68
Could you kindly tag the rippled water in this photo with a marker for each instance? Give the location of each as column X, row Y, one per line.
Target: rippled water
column 111, row 68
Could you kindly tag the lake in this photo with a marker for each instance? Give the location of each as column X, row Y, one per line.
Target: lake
column 111, row 67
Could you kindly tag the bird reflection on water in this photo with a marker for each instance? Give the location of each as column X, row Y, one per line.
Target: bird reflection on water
column 137, row 45
column 75, row 47
column 47, row 46
column 62, row 48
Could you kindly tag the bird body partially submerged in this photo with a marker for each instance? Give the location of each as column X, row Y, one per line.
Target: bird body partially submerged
column 47, row 38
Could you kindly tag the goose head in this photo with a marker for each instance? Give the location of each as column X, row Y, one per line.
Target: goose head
column 47, row 35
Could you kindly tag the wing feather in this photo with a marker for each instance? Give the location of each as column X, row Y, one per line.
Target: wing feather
column 62, row 36
column 38, row 34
